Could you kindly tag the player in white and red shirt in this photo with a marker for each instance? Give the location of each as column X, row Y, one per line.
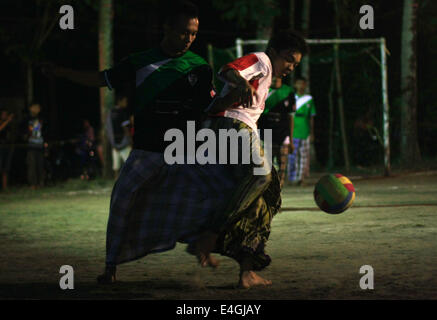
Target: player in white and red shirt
column 256, row 68
column 248, row 78
column 243, row 224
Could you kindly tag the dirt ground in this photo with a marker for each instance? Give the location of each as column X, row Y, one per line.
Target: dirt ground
column 392, row 227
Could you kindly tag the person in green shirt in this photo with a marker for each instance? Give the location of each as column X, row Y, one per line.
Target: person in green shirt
column 303, row 133
column 278, row 114
column 168, row 85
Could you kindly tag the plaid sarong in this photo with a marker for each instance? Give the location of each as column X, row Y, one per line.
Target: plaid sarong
column 155, row 205
column 299, row 160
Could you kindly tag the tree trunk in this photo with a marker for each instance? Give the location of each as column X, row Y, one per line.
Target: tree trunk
column 29, row 82
column 291, row 25
column 330, row 163
column 305, row 65
column 105, row 61
column 340, row 90
column 54, row 114
column 410, row 153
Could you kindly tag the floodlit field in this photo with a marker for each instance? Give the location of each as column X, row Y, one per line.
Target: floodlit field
column 391, row 227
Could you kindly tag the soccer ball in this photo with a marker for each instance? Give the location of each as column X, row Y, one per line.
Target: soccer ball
column 334, row 193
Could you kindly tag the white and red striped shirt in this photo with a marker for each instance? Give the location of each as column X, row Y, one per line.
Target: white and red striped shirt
column 257, row 69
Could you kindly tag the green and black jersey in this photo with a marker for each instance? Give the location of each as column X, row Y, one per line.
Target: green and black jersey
column 280, row 104
column 167, row 92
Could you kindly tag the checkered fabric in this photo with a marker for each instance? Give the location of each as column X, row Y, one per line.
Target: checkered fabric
column 155, row 205
column 299, row 160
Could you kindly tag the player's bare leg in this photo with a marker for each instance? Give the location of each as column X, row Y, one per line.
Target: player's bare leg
column 248, row 278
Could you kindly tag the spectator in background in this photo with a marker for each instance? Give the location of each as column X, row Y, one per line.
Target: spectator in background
column 34, row 131
column 303, row 133
column 6, row 147
column 99, row 149
column 118, row 125
column 278, row 114
column 87, row 151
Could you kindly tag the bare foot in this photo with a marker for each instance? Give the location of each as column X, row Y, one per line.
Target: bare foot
column 106, row 278
column 208, row 261
column 204, row 260
column 250, row 279
column 202, row 248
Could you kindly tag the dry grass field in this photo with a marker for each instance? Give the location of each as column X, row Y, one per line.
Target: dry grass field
column 392, row 227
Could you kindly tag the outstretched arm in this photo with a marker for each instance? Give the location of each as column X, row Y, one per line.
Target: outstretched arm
column 86, row 78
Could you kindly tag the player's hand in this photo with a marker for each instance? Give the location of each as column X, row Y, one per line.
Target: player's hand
column 290, row 148
column 246, row 92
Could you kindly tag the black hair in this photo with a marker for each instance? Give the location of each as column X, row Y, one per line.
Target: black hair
column 288, row 40
column 180, row 8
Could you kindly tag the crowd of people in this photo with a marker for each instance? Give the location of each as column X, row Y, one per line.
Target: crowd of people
column 47, row 160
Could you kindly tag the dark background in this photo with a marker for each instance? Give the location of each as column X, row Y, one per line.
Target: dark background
column 137, row 27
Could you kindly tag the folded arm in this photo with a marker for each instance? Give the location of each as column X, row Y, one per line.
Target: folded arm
column 220, row 104
column 244, row 90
